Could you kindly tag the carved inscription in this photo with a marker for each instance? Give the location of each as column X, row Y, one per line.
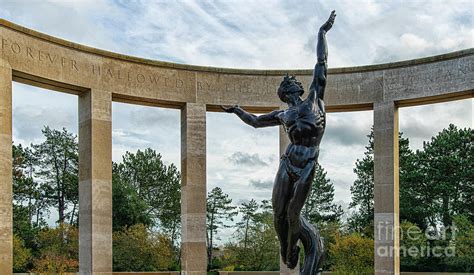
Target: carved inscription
column 18, row 50
column 12, row 47
column 139, row 78
column 103, row 72
column 249, row 86
column 400, row 83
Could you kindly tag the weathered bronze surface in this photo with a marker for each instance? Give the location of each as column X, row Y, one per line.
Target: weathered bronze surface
column 305, row 122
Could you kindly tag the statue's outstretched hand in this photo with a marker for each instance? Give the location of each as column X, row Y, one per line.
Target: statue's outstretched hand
column 328, row 25
column 229, row 109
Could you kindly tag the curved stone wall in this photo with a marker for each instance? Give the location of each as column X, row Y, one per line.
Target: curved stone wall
column 42, row 59
column 99, row 77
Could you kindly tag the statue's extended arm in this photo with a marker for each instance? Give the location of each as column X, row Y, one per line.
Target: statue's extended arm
column 316, row 90
column 266, row 120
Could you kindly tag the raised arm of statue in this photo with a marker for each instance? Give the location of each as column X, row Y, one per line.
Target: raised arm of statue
column 266, row 120
column 316, row 90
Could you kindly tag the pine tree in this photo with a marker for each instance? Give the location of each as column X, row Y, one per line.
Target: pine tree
column 26, row 192
column 262, row 250
column 248, row 211
column 219, row 210
column 128, row 208
column 157, row 184
column 363, row 188
column 449, row 172
column 320, row 206
column 58, row 165
column 29, row 208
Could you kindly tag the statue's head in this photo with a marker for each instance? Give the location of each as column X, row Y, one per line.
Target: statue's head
column 289, row 87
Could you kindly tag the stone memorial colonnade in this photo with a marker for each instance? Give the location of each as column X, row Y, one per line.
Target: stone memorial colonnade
column 99, row 77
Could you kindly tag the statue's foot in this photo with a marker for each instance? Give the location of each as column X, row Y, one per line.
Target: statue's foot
column 293, row 258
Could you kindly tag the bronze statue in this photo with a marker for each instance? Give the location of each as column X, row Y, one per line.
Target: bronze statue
column 304, row 121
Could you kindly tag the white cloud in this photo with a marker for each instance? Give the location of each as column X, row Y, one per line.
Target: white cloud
column 34, row 108
column 414, row 42
column 420, row 123
column 264, row 34
column 85, row 22
column 139, row 127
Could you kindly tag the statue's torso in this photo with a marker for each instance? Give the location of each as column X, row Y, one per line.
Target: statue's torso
column 305, row 124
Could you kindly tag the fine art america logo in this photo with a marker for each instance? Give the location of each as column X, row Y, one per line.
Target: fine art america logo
column 414, row 242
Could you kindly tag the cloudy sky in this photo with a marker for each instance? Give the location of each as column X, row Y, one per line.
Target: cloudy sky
column 245, row 34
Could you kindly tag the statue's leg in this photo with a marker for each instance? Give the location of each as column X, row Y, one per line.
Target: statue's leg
column 313, row 248
column 280, row 197
column 301, row 190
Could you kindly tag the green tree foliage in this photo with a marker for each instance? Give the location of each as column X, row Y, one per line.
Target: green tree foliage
column 21, row 255
column 248, row 211
column 329, row 232
column 439, row 181
column 128, row 207
column 412, row 239
column 26, row 190
column 219, row 211
column 29, row 209
column 147, row 192
column 320, row 207
column 58, row 249
column 57, row 159
column 138, row 249
column 24, row 230
column 45, row 175
column 436, row 185
column 449, row 171
column 463, row 245
column 352, row 254
column 156, row 184
column 415, row 194
column 256, row 247
column 363, row 188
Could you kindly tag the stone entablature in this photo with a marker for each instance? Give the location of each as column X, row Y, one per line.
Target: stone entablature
column 40, row 58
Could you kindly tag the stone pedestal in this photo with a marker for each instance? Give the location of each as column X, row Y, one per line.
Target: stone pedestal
column 193, row 189
column 6, row 212
column 284, row 270
column 95, row 182
column 386, row 220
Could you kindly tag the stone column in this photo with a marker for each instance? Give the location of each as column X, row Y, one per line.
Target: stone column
column 193, row 189
column 386, row 219
column 284, row 141
column 6, row 219
column 95, row 182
